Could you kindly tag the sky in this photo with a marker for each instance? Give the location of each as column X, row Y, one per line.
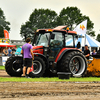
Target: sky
column 17, row 12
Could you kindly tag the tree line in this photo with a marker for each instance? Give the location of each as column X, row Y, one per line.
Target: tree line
column 47, row 18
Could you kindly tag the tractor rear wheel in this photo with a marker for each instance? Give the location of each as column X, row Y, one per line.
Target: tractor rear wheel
column 75, row 63
column 39, row 67
column 14, row 66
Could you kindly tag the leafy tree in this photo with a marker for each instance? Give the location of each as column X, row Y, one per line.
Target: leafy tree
column 26, row 31
column 3, row 23
column 1, row 32
column 91, row 33
column 98, row 37
column 72, row 16
column 45, row 18
column 40, row 18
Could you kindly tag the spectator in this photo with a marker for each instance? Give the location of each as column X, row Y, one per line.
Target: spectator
column 86, row 52
column 9, row 52
column 18, row 51
column 13, row 50
column 5, row 51
column 94, row 53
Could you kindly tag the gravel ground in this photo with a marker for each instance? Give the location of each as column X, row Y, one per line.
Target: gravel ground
column 48, row 90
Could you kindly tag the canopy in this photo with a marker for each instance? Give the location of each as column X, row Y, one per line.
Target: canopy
column 6, row 44
column 88, row 40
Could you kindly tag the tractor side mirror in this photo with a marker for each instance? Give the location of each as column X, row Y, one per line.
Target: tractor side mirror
column 76, row 37
column 52, row 36
column 78, row 45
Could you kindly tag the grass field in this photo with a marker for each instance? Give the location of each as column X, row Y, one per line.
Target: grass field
column 42, row 79
column 2, row 67
column 53, row 79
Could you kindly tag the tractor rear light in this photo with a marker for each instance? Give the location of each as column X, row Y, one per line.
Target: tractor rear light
column 67, row 28
column 37, row 30
column 49, row 30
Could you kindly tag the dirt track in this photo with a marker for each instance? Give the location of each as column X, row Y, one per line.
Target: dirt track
column 49, row 91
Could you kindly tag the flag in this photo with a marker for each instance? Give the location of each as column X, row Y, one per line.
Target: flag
column 81, row 28
column 6, row 34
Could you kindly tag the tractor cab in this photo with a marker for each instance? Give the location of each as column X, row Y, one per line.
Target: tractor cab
column 53, row 41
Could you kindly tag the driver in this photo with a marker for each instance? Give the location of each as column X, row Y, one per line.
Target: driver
column 56, row 43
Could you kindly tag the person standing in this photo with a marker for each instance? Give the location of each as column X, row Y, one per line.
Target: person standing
column 86, row 52
column 28, row 56
column 9, row 52
column 5, row 51
column 13, row 50
column 18, row 51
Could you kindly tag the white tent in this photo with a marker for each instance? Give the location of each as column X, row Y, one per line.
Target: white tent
column 87, row 40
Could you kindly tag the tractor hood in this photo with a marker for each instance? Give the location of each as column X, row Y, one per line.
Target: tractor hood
column 38, row 49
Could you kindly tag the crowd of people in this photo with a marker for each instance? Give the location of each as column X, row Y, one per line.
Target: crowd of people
column 10, row 51
column 87, row 52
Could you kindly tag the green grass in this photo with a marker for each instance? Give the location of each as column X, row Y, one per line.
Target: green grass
column 2, row 67
column 55, row 79
column 42, row 79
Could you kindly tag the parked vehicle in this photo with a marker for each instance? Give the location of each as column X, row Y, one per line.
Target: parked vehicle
column 52, row 54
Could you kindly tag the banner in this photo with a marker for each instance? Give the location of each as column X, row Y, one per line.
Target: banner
column 6, row 34
column 81, row 28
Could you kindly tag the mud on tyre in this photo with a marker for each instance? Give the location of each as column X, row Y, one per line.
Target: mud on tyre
column 14, row 66
column 73, row 62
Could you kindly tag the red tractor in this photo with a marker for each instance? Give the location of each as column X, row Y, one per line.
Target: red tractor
column 53, row 53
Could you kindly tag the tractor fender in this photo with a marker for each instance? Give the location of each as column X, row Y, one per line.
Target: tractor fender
column 63, row 51
column 43, row 57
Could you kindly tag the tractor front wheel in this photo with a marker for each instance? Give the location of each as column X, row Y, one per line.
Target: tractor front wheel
column 39, row 67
